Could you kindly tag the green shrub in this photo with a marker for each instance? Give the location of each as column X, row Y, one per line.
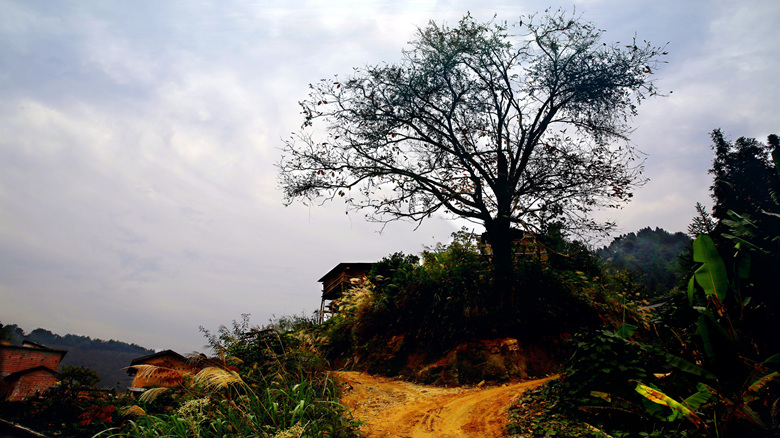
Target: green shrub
column 265, row 383
column 709, row 382
column 430, row 307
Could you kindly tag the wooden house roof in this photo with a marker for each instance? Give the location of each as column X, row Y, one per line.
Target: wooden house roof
column 363, row 266
column 171, row 353
column 337, row 280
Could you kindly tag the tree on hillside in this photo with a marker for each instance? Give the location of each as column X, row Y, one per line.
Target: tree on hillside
column 746, row 191
column 5, row 333
column 73, row 378
column 12, row 334
column 654, row 255
column 501, row 128
column 702, row 223
column 744, row 177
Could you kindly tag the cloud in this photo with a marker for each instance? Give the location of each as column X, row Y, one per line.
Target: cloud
column 138, row 193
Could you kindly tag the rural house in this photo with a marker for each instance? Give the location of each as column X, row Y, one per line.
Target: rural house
column 170, row 369
column 525, row 246
column 338, row 280
column 27, row 370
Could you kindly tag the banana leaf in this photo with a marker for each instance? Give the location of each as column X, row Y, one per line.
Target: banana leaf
column 755, row 388
column 704, row 395
column 711, row 275
column 658, row 397
column 716, row 340
column 626, row 330
column 688, row 367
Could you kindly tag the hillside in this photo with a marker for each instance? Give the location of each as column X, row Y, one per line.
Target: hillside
column 107, row 358
column 654, row 255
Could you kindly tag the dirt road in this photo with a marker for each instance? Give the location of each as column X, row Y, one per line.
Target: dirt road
column 393, row 408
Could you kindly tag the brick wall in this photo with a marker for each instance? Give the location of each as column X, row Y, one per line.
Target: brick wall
column 25, row 371
column 31, row 383
column 13, row 359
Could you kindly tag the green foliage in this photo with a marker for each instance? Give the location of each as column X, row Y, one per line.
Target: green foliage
column 653, row 255
column 569, row 255
column 432, row 306
column 717, row 385
column 702, row 223
column 745, row 189
column 428, row 308
column 710, row 390
column 744, row 178
column 390, row 274
column 75, row 407
column 537, row 414
column 604, row 360
column 711, row 275
column 7, row 333
column 264, row 382
column 76, row 377
column 447, row 298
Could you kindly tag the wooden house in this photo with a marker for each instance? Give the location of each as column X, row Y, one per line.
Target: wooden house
column 525, row 246
column 338, row 280
column 27, row 370
column 170, row 370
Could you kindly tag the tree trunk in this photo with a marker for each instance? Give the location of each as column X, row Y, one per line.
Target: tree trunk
column 499, row 237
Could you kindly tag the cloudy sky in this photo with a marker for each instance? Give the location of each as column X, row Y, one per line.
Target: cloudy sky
column 138, row 193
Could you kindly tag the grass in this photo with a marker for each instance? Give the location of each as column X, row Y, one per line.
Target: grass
column 283, row 391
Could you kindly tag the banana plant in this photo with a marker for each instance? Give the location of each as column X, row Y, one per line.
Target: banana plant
column 736, row 407
column 709, row 290
column 678, row 410
column 711, row 276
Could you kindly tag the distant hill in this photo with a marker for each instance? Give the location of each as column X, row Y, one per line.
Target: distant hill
column 653, row 254
column 107, row 358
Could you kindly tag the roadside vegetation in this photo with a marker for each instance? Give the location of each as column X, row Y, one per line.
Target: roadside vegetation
column 414, row 310
column 261, row 383
column 707, row 363
column 76, row 407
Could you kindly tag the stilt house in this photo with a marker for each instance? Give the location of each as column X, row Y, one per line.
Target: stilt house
column 337, row 281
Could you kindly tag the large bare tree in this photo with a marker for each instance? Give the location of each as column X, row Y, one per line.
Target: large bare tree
column 508, row 126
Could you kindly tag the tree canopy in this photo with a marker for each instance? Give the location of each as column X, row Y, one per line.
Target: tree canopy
column 744, row 177
column 746, row 190
column 479, row 122
column 653, row 254
column 503, row 125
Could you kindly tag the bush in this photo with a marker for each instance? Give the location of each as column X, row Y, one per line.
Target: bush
column 709, row 382
column 425, row 309
column 447, row 299
column 265, row 382
column 75, row 407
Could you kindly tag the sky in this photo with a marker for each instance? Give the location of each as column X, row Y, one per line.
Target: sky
column 138, row 139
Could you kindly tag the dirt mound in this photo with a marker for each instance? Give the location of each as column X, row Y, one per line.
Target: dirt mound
column 469, row 362
column 392, row 408
column 494, row 360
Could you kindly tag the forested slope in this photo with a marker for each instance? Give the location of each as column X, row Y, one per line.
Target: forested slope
column 653, row 254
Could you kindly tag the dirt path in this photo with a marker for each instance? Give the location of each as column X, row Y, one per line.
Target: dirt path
column 393, row 408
